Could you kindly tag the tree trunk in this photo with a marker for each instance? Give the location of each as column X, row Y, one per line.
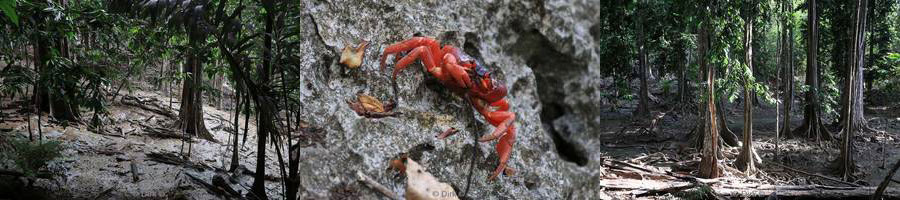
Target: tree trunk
column 709, row 162
column 746, row 161
column 728, row 136
column 266, row 126
column 788, row 63
column 47, row 100
column 264, row 102
column 235, row 160
column 846, row 162
column 191, row 112
column 859, row 120
column 812, row 117
column 643, row 109
column 682, row 76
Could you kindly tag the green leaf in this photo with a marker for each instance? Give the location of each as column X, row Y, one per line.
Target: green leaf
column 9, row 8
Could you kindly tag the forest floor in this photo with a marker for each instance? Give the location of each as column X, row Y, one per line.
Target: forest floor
column 639, row 162
column 98, row 166
column 797, row 162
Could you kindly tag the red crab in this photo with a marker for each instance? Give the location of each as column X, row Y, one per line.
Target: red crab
column 467, row 77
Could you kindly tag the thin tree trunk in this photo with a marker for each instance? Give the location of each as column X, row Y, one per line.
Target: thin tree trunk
column 812, row 118
column 264, row 103
column 788, row 63
column 746, row 161
column 235, row 160
column 682, row 76
column 847, row 162
column 643, row 109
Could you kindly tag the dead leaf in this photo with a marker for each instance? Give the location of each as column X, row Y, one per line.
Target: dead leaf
column 421, row 185
column 370, row 103
column 370, row 107
column 353, row 58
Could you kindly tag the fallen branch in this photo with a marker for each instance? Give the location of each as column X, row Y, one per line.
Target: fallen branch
column 172, row 159
column 817, row 175
column 212, row 188
column 886, row 182
column 163, row 133
column 377, row 186
column 135, row 102
column 808, row 191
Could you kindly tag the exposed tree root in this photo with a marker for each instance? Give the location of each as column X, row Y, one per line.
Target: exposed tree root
column 812, row 128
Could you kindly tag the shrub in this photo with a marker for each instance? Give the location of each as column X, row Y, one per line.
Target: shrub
column 30, row 156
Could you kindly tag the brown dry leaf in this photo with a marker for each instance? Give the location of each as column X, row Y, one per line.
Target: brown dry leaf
column 370, row 103
column 370, row 107
column 421, row 185
column 353, row 58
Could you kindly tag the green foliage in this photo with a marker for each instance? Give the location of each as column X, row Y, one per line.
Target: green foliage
column 8, row 7
column 14, row 79
column 31, row 157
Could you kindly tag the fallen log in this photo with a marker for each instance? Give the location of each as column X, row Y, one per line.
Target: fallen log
column 135, row 102
column 164, row 133
column 172, row 159
column 817, row 175
column 803, row 191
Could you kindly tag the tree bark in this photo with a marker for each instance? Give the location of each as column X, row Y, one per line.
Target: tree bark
column 682, row 75
column 846, row 161
column 235, row 158
column 709, row 163
column 788, row 65
column 47, row 100
column 643, row 109
column 264, row 101
column 746, row 161
column 812, row 117
column 191, row 112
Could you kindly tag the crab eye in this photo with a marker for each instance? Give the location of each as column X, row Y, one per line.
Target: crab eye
column 480, row 69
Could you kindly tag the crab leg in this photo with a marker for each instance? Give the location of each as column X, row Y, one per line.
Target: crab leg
column 456, row 71
column 504, row 148
column 504, row 129
column 419, row 52
column 432, row 45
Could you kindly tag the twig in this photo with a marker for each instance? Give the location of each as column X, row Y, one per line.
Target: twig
column 817, row 175
column 885, row 183
column 377, row 186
